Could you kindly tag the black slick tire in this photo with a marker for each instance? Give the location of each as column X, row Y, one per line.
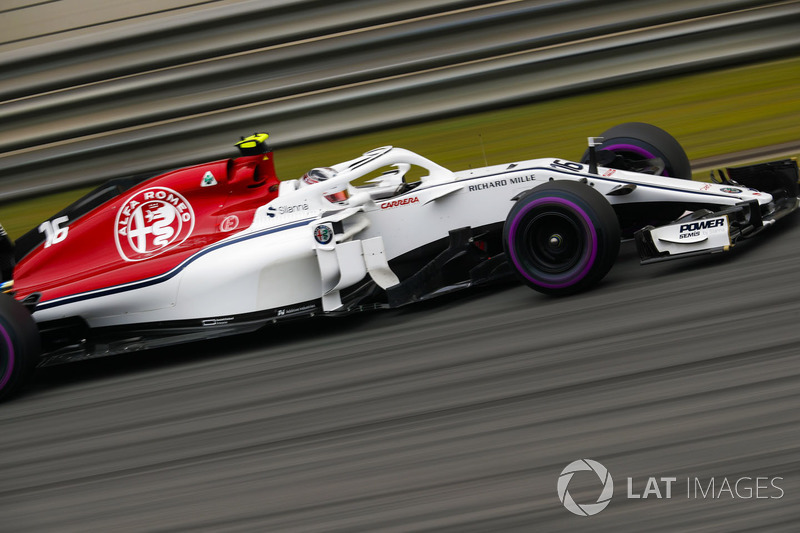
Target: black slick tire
column 640, row 141
column 562, row 237
column 20, row 347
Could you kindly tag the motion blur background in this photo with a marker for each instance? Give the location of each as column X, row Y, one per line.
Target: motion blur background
column 452, row 416
column 92, row 89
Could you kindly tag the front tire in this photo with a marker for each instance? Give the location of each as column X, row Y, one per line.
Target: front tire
column 20, row 346
column 638, row 141
column 561, row 238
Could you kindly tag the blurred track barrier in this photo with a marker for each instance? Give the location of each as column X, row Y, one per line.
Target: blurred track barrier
column 141, row 90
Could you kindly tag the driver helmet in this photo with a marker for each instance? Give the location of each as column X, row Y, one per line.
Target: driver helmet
column 318, row 175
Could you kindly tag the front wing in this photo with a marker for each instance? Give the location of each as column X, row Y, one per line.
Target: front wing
column 706, row 231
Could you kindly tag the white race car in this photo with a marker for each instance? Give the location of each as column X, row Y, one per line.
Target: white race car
column 226, row 247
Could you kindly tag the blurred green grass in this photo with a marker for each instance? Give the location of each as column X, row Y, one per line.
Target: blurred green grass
column 710, row 113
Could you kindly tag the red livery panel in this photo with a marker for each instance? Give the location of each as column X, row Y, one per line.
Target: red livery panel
column 149, row 229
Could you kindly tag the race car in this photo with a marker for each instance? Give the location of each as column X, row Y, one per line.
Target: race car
column 226, row 247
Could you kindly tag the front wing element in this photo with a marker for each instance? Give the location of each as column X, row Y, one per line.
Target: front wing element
column 691, row 236
column 706, row 232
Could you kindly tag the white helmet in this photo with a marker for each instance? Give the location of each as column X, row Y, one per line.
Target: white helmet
column 318, row 175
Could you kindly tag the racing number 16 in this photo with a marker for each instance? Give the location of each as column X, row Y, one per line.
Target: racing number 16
column 567, row 165
column 53, row 232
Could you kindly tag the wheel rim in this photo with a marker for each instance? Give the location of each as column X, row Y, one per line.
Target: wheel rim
column 553, row 242
column 635, row 153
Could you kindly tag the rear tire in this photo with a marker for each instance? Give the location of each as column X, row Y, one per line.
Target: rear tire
column 562, row 237
column 20, row 346
column 639, row 141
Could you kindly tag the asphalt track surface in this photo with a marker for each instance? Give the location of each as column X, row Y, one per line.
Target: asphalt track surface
column 454, row 415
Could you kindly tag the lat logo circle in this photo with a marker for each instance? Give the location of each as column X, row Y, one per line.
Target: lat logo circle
column 587, row 509
column 151, row 222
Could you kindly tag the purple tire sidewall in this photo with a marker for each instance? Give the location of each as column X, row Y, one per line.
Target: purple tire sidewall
column 638, row 150
column 4, row 338
column 512, row 238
